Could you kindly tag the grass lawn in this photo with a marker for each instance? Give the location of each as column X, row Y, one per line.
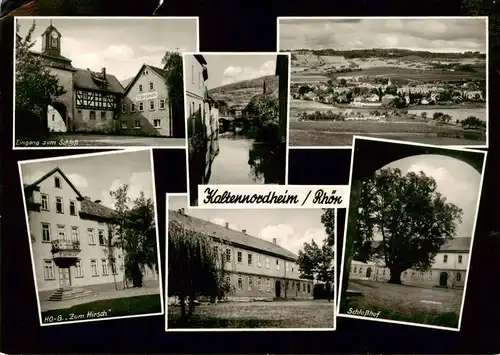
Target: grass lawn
column 286, row 314
column 403, row 303
column 116, row 307
column 338, row 133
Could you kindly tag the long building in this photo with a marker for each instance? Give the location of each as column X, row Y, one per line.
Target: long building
column 70, row 236
column 256, row 268
column 448, row 269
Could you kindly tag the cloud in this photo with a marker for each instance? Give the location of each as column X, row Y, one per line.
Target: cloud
column 289, row 239
column 233, row 74
column 137, row 183
column 444, row 35
column 77, row 180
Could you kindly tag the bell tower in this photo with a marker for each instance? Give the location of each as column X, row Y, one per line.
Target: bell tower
column 51, row 41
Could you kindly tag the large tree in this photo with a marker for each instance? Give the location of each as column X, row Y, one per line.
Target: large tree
column 317, row 262
column 36, row 86
column 412, row 219
column 172, row 64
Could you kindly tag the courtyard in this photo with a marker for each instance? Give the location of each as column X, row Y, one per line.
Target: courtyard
column 277, row 314
column 423, row 305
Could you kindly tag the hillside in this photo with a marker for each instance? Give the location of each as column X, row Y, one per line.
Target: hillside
column 240, row 93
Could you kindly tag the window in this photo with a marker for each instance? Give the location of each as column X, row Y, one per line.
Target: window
column 430, row 275
column 240, row 256
column 74, row 234
column 78, row 269
column 308, row 288
column 240, row 283
column 103, row 115
column 460, row 259
column 278, row 265
column 151, row 86
column 293, row 267
column 45, row 232
column 228, row 280
column 90, row 233
column 48, row 272
column 192, row 72
column 161, row 104
column 104, row 263
column 93, row 267
column 92, row 115
column 53, row 118
column 61, row 232
column 268, row 285
column 151, row 105
column 250, row 283
column 259, row 260
column 259, row 284
column 72, row 208
column 445, row 258
column 355, row 269
column 228, row 255
column 57, row 182
column 124, row 125
column 303, row 287
column 132, row 107
column 267, row 262
column 249, row 259
column 45, row 202
column 157, row 123
column 124, row 108
column 137, row 124
column 141, row 106
column 459, row 277
column 59, row 205
column 140, row 88
column 360, row 269
column 101, row 238
column 113, row 267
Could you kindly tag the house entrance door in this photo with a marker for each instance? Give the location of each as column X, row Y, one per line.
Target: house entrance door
column 443, row 279
column 64, row 277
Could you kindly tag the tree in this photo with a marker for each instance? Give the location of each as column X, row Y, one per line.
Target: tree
column 471, row 122
column 196, row 267
column 411, row 217
column 172, row 64
column 121, row 209
column 424, row 115
column 36, row 86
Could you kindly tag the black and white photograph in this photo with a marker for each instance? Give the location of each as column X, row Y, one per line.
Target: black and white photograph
column 93, row 236
column 254, row 269
column 236, row 118
column 84, row 82
column 409, row 232
column 415, row 79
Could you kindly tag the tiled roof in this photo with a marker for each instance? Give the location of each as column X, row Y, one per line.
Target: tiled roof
column 229, row 235
column 91, row 208
column 83, row 79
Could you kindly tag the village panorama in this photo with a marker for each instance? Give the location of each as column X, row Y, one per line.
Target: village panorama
column 392, row 84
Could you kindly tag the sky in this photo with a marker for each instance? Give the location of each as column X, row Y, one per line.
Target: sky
column 119, row 45
column 290, row 227
column 456, row 180
column 226, row 69
column 95, row 176
column 430, row 34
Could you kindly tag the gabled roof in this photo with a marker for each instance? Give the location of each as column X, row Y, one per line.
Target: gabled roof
column 91, row 208
column 35, row 184
column 83, row 79
column 229, row 235
column 160, row 72
column 51, row 28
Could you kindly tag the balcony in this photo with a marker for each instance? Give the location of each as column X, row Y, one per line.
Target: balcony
column 65, row 248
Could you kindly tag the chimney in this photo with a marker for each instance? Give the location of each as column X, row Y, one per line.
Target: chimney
column 227, row 225
column 244, row 231
column 181, row 210
column 274, row 241
column 103, row 71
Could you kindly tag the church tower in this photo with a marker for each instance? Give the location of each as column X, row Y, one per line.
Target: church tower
column 51, row 41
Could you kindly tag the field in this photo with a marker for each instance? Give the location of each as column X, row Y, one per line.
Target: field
column 441, row 307
column 457, row 114
column 286, row 314
column 340, row 133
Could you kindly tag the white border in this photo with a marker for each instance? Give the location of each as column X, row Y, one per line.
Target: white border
column 486, row 146
column 160, row 279
column 395, row 142
column 14, row 147
column 186, row 109
column 187, row 330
